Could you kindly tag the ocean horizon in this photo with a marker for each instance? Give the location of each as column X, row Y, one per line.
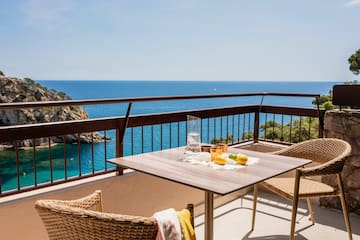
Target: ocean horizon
column 92, row 89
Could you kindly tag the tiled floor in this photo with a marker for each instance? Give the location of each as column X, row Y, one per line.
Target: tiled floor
column 233, row 221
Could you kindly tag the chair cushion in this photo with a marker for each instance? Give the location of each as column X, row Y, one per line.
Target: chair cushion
column 308, row 187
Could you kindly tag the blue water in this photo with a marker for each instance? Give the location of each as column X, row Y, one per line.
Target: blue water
column 123, row 89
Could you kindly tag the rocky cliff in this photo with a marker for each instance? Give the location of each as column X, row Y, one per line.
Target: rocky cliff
column 27, row 90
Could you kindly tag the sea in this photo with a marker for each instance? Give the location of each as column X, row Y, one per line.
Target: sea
column 100, row 89
column 123, row 89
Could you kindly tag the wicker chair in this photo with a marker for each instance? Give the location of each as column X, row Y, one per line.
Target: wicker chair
column 73, row 219
column 331, row 154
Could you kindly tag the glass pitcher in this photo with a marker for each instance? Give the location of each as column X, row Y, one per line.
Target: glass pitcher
column 193, row 125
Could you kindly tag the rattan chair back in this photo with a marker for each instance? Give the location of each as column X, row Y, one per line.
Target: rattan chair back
column 319, row 150
column 74, row 220
column 331, row 152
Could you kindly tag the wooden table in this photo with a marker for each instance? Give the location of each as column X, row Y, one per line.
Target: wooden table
column 169, row 164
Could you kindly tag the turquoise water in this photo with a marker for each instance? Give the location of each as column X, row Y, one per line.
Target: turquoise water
column 26, row 165
column 123, row 89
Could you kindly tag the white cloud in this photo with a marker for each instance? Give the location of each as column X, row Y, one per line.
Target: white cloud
column 352, row 3
column 46, row 13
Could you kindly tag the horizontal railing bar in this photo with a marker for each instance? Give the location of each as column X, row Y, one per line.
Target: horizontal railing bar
column 275, row 141
column 309, row 112
column 19, row 105
column 39, row 130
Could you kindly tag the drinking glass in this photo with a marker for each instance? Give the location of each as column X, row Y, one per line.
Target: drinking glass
column 193, row 137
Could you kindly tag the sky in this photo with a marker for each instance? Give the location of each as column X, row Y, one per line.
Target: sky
column 257, row 40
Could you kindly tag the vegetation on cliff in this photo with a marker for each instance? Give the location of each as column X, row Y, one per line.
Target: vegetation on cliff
column 26, row 90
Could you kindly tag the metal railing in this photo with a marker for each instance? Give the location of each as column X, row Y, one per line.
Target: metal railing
column 46, row 165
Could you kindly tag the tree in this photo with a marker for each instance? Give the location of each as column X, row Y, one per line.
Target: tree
column 2, row 73
column 271, row 130
column 294, row 131
column 325, row 101
column 354, row 61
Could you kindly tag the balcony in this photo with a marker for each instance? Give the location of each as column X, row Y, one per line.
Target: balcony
column 124, row 190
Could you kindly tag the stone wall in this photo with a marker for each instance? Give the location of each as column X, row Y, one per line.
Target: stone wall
column 345, row 125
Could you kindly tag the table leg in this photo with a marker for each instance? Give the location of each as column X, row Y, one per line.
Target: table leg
column 209, row 215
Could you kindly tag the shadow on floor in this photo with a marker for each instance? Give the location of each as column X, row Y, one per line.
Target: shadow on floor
column 324, row 216
column 298, row 236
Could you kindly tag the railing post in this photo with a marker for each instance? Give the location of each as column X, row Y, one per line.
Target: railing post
column 257, row 120
column 256, row 126
column 321, row 118
column 120, row 135
column 321, row 125
column 119, row 151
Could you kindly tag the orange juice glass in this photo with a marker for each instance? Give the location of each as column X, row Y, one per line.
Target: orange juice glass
column 223, row 147
column 214, row 152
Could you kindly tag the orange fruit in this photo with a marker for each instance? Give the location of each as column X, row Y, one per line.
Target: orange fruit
column 241, row 159
column 220, row 160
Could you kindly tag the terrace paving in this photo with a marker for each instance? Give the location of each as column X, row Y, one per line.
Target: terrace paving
column 233, row 221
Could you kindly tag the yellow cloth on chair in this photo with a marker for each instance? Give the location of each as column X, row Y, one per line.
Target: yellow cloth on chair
column 186, row 227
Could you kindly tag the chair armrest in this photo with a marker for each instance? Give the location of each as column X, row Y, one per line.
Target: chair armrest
column 331, row 167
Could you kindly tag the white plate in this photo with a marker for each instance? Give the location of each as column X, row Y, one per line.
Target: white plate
column 203, row 158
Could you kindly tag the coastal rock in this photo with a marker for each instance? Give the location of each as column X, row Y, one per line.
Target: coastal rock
column 27, row 90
